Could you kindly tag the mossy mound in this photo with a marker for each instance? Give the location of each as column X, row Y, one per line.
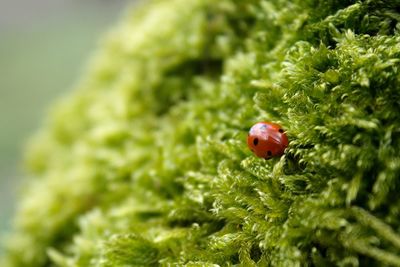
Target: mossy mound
column 146, row 163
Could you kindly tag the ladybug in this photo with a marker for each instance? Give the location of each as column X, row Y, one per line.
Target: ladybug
column 267, row 140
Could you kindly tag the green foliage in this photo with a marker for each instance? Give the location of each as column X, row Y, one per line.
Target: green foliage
column 146, row 164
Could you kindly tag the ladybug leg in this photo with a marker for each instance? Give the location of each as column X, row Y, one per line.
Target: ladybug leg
column 268, row 154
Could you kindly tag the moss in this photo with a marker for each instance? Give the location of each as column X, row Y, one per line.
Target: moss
column 146, row 163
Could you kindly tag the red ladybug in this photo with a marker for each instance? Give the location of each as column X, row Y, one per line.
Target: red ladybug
column 267, row 140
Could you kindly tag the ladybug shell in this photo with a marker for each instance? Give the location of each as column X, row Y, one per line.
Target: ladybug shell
column 267, row 140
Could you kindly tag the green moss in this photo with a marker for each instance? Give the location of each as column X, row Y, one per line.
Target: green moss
column 146, row 163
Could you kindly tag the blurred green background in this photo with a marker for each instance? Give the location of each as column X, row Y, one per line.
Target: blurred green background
column 44, row 47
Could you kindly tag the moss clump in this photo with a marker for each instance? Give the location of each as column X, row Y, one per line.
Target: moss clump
column 146, row 163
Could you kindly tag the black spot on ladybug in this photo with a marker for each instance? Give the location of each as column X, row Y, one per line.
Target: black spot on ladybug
column 281, row 131
column 269, row 153
column 255, row 141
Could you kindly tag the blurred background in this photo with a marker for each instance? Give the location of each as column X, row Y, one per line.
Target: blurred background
column 44, row 47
